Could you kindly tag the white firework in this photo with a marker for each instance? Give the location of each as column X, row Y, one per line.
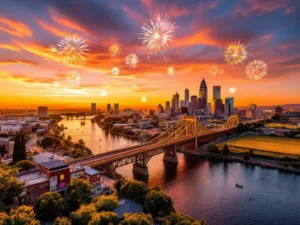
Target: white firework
column 131, row 60
column 115, row 71
column 72, row 49
column 157, row 33
column 256, row 70
column 171, row 70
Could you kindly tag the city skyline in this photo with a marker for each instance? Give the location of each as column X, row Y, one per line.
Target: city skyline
column 31, row 75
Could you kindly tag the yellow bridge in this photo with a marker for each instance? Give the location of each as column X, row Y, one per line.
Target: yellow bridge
column 186, row 133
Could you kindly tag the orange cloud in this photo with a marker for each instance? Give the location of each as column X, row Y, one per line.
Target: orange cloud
column 200, row 37
column 52, row 29
column 13, row 62
column 9, row 47
column 14, row 28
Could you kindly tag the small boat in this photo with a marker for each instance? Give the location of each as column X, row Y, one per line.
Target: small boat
column 239, row 186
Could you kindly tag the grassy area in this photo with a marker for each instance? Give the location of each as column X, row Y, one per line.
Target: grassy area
column 266, row 145
column 280, row 125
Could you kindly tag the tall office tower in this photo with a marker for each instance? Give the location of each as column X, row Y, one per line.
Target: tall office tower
column 173, row 103
column 116, row 108
column 160, row 109
column 252, row 107
column 168, row 107
column 229, row 106
column 93, row 107
column 186, row 97
column 251, row 112
column 278, row 111
column 108, row 108
column 216, row 92
column 176, row 103
column 194, row 104
column 208, row 108
column 202, row 95
column 42, row 111
column 219, row 107
column 182, row 103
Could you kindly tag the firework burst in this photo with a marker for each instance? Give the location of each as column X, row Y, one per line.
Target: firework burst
column 256, row 70
column 73, row 50
column 103, row 93
column 235, row 53
column 171, row 70
column 131, row 60
column 73, row 75
column 143, row 99
column 114, row 50
column 115, row 71
column 232, row 90
column 52, row 49
column 157, row 33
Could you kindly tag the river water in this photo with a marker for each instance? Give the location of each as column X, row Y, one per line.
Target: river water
column 205, row 189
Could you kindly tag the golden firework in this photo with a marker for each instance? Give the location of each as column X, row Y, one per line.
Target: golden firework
column 232, row 90
column 157, row 33
column 52, row 49
column 131, row 60
column 115, row 71
column 256, row 69
column 73, row 50
column 103, row 93
column 73, row 75
column 235, row 53
column 171, row 70
column 114, row 50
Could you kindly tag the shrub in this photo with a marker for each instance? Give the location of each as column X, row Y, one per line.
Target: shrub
column 106, row 203
column 104, row 218
column 83, row 215
column 212, row 148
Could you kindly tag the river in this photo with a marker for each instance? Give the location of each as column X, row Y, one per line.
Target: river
column 206, row 188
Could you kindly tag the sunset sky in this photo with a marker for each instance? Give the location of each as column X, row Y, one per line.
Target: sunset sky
column 30, row 73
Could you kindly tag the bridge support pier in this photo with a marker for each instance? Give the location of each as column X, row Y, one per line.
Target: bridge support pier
column 170, row 155
column 141, row 170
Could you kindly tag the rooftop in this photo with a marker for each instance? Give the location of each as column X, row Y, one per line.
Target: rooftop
column 55, row 165
column 32, row 178
column 89, row 170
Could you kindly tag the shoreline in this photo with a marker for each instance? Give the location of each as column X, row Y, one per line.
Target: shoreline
column 256, row 161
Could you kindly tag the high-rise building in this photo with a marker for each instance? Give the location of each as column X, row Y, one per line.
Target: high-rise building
column 229, row 106
column 168, row 107
column 194, row 104
column 160, row 109
column 203, row 95
column 219, row 107
column 186, row 97
column 42, row 111
column 93, row 107
column 252, row 107
column 216, row 92
column 108, row 108
column 175, row 103
column 251, row 112
column 116, row 108
column 208, row 108
column 182, row 103
column 278, row 111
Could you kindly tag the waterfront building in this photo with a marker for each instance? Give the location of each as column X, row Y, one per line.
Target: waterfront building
column 108, row 108
column 219, row 108
column 42, row 111
column 186, row 97
column 278, row 111
column 93, row 107
column 203, row 95
column 216, row 92
column 116, row 108
column 229, row 106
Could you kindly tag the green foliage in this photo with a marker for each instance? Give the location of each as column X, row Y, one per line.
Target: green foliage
column 135, row 190
column 62, row 221
column 49, row 205
column 83, row 215
column 118, row 184
column 181, row 219
column 78, row 192
column 49, row 141
column 19, row 152
column 104, row 218
column 80, row 152
column 9, row 185
column 69, row 138
column 136, row 219
column 81, row 142
column 23, row 215
column 225, row 150
column 212, row 148
column 158, row 203
column 25, row 165
column 106, row 202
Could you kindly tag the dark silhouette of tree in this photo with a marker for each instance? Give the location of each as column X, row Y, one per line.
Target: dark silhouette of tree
column 225, row 150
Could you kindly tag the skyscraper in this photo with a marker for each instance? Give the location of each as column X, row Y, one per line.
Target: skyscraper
column 194, row 104
column 116, row 108
column 278, row 111
column 160, row 109
column 229, row 106
column 203, row 95
column 175, row 103
column 108, row 108
column 219, row 107
column 186, row 97
column 93, row 107
column 216, row 92
column 42, row 111
column 168, row 107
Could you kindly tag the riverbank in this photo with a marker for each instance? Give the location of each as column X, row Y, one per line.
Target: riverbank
column 264, row 163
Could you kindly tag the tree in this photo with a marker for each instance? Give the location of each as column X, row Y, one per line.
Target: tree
column 158, row 203
column 212, row 148
column 3, row 218
column 49, row 205
column 83, row 215
column 225, row 150
column 16, row 152
column 10, row 187
column 136, row 219
column 241, row 128
column 135, row 190
column 25, row 165
column 181, row 219
column 106, row 202
column 118, row 184
column 81, row 142
column 49, row 140
column 104, row 218
column 78, row 192
column 62, row 221
column 23, row 154
column 69, row 138
column 23, row 215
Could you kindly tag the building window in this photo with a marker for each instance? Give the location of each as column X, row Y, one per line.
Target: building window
column 62, row 177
